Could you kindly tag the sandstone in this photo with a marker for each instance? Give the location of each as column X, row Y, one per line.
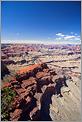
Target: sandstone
column 54, row 78
column 54, row 108
column 45, row 70
column 65, row 90
column 28, row 68
column 21, row 90
column 33, row 112
column 28, row 99
column 16, row 103
column 6, row 84
column 44, row 66
column 15, row 115
column 37, row 85
column 28, row 82
column 53, row 73
column 40, row 75
column 7, row 61
column 36, row 116
column 14, row 82
column 23, row 95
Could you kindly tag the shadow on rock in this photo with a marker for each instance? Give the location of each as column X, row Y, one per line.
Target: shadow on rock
column 27, row 108
column 4, row 70
column 60, row 82
column 45, row 104
column 44, row 113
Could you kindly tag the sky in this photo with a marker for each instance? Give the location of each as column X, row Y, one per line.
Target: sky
column 41, row 22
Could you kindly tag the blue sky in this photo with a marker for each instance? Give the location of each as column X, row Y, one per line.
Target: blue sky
column 41, row 21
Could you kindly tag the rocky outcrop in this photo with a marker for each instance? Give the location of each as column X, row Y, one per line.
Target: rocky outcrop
column 8, row 61
column 16, row 114
column 43, row 94
column 28, row 97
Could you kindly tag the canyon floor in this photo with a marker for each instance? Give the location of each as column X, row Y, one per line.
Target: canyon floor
column 40, row 82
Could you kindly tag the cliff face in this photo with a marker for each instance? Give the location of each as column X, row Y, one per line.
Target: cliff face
column 4, row 70
column 67, row 107
column 43, row 94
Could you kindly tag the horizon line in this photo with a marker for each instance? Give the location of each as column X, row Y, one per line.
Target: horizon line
column 37, row 42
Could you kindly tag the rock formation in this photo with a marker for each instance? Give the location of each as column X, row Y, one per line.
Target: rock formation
column 36, row 96
column 44, row 91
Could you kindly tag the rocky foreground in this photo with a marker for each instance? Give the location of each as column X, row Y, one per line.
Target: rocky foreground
column 44, row 93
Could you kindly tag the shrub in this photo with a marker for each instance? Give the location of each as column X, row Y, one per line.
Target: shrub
column 7, row 95
column 17, row 76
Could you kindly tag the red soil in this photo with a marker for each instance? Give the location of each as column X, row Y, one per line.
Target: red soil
column 27, row 68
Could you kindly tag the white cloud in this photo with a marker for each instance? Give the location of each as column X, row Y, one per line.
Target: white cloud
column 59, row 39
column 74, row 38
column 66, row 37
column 69, row 37
column 62, row 38
column 60, row 34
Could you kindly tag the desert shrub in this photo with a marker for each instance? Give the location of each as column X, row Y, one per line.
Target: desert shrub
column 7, row 95
column 17, row 76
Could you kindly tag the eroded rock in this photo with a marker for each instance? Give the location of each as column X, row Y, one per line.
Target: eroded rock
column 15, row 115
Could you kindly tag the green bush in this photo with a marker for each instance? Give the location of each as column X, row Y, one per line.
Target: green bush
column 7, row 95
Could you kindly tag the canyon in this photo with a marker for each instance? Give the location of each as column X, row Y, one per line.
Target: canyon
column 46, row 80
